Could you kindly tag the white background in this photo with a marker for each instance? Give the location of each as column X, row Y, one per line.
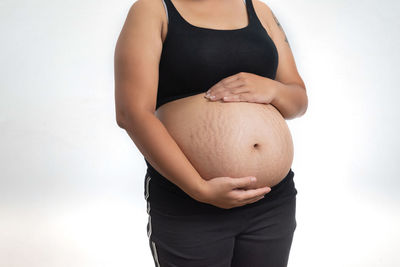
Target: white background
column 71, row 185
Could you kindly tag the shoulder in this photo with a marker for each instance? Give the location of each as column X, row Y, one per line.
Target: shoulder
column 262, row 7
column 264, row 12
column 146, row 11
column 150, row 5
column 141, row 30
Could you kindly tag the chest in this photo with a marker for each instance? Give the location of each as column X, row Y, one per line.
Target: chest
column 199, row 57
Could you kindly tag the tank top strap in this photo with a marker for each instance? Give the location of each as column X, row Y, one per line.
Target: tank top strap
column 172, row 13
column 253, row 18
column 175, row 17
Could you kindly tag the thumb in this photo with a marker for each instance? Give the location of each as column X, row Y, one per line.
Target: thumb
column 243, row 181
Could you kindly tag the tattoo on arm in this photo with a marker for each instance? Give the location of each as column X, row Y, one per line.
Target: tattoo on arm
column 280, row 27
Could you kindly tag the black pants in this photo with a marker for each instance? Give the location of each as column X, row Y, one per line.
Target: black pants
column 186, row 233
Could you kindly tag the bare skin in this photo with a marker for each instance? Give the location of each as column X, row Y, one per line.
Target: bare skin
column 140, row 44
column 280, row 27
column 292, row 101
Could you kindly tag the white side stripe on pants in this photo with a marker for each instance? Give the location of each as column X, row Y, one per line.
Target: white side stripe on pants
column 153, row 245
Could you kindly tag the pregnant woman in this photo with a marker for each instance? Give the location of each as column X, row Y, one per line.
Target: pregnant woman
column 204, row 88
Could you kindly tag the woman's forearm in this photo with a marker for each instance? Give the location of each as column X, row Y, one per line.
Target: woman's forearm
column 290, row 99
column 162, row 152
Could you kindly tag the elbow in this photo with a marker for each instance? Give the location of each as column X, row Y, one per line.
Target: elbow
column 305, row 103
column 298, row 109
column 119, row 117
column 120, row 123
column 126, row 119
column 304, row 110
column 304, row 106
column 121, row 120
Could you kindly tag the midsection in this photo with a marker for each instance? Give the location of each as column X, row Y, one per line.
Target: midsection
column 234, row 139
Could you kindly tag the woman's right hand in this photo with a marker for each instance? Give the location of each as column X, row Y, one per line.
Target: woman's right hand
column 227, row 192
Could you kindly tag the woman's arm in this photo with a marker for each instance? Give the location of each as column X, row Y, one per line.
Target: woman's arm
column 286, row 92
column 136, row 65
column 291, row 95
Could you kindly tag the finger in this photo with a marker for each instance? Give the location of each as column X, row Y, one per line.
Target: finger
column 242, row 181
column 233, row 94
column 234, row 89
column 231, row 78
column 233, row 98
column 218, row 94
column 245, row 195
column 247, row 97
column 254, row 199
column 233, row 83
column 227, row 83
column 240, row 90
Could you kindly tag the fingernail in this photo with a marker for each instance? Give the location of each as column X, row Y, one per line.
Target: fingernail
column 212, row 97
column 253, row 179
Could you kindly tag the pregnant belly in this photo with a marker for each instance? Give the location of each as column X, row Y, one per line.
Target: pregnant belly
column 234, row 139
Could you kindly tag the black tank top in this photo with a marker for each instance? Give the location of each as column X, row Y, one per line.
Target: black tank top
column 195, row 58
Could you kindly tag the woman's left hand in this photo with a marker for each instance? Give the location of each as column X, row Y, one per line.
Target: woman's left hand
column 243, row 86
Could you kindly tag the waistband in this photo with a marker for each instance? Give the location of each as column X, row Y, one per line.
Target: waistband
column 166, row 197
